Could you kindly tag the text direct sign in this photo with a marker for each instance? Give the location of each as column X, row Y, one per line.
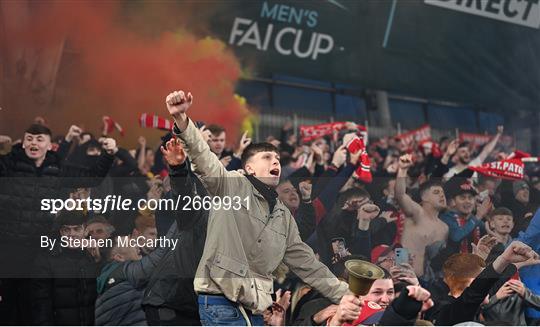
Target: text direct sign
column 521, row 12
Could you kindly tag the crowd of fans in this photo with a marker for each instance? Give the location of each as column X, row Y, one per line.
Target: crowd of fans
column 459, row 244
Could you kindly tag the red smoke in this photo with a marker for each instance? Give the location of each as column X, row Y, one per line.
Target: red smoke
column 111, row 65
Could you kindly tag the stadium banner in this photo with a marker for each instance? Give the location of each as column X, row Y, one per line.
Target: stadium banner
column 418, row 135
column 520, row 12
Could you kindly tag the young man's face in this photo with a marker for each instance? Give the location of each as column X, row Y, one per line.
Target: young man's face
column 36, row 145
column 381, row 292
column 464, row 203
column 128, row 253
column 502, row 224
column 435, row 196
column 523, row 195
column 217, row 143
column 387, row 261
column 75, row 232
column 98, row 231
column 288, row 194
column 464, row 155
column 147, row 233
column 265, row 166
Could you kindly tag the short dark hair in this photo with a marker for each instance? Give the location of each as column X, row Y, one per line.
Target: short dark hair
column 423, row 188
column 464, row 144
column 255, row 148
column 354, row 192
column 87, row 133
column 36, row 129
column 215, row 129
column 501, row 211
column 387, row 274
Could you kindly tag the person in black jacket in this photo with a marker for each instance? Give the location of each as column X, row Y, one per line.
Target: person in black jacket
column 30, row 173
column 169, row 298
column 64, row 291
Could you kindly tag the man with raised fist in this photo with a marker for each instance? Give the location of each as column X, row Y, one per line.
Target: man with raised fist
column 245, row 243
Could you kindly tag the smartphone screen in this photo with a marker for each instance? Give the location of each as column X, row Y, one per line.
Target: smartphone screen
column 402, row 256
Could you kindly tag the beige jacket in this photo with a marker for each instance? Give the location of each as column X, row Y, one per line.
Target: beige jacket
column 243, row 247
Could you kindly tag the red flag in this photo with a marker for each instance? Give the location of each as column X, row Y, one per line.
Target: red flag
column 309, row 133
column 475, row 139
column 370, row 314
column 111, row 125
column 511, row 169
column 154, row 121
column 418, row 135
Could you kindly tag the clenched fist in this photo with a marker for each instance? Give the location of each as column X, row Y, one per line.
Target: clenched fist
column 405, row 162
column 178, row 103
column 109, row 145
column 74, row 132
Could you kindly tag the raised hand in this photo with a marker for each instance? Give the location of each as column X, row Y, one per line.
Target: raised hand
column 420, row 294
column 452, row 147
column 318, row 153
column 178, row 103
column 142, row 141
column 73, row 132
column 339, row 156
column 405, row 162
column 109, row 145
column 206, row 134
column 484, row 246
column 305, row 190
column 368, row 211
column 404, row 272
column 387, row 215
column 245, row 141
column 500, row 129
column 173, row 152
column 484, row 208
column 516, row 253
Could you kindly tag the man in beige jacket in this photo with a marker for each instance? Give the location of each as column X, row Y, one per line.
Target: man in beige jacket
column 246, row 243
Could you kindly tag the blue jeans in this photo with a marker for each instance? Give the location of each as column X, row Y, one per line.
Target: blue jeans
column 217, row 310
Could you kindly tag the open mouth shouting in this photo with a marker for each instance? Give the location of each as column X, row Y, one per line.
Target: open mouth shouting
column 275, row 172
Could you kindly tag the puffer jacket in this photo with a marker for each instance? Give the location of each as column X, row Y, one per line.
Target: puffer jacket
column 65, row 291
column 120, row 289
column 511, row 309
column 23, row 186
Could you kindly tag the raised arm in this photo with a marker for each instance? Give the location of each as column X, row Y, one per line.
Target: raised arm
column 207, row 164
column 408, row 205
column 491, row 145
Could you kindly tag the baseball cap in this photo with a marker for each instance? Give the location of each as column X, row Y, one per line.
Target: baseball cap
column 380, row 251
column 456, row 186
column 517, row 186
